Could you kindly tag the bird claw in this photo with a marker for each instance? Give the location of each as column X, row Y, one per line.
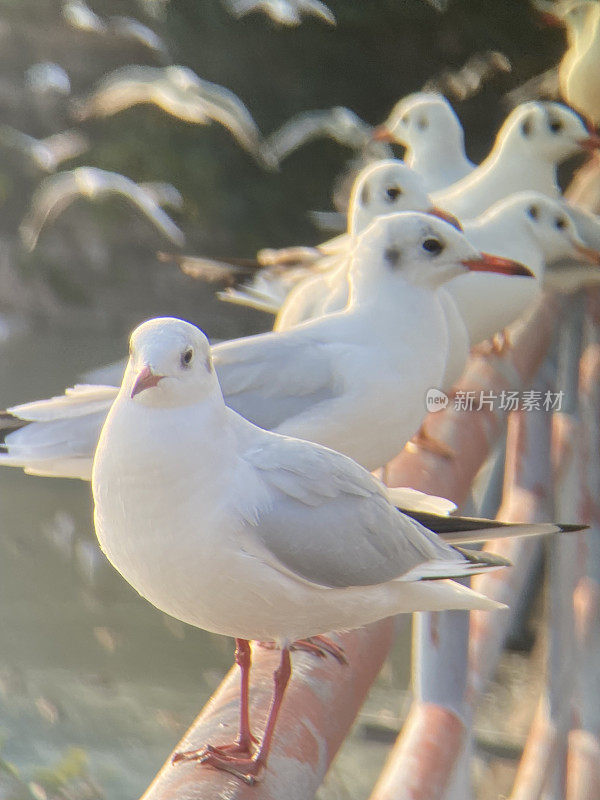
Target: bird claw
column 230, row 758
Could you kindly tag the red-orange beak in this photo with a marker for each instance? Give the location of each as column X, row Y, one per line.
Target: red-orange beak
column 446, row 216
column 503, row 266
column 591, row 142
column 550, row 20
column 588, row 254
column 382, row 134
column 146, row 379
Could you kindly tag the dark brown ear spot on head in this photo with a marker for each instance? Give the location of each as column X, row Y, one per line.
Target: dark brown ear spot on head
column 365, row 195
column 533, row 212
column 527, row 127
column 392, row 256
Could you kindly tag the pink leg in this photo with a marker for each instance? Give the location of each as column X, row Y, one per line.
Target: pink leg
column 243, row 745
column 249, row 769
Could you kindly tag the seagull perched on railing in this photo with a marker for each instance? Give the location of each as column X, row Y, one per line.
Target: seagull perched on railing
column 179, row 92
column 427, row 125
column 354, row 380
column 57, row 192
column 384, row 187
column 251, row 534
column 534, row 139
column 282, row 12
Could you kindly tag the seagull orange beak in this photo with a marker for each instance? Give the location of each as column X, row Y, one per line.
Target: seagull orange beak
column 146, row 379
column 591, row 142
column 446, row 216
column 550, row 20
column 503, row 266
column 588, row 254
column 382, row 134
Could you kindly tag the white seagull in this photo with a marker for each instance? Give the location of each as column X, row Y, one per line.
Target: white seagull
column 283, row 12
column 338, row 123
column 579, row 70
column 535, row 138
column 179, row 92
column 49, row 153
column 427, row 125
column 57, row 192
column 354, row 381
column 251, row 534
column 385, row 187
column 381, row 188
column 536, row 230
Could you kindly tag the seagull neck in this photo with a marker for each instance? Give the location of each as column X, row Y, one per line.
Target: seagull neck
column 380, row 299
column 515, row 168
column 426, row 159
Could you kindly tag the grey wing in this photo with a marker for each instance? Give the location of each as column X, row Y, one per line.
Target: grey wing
column 300, row 130
column 318, row 9
column 133, row 29
column 270, row 377
column 146, row 203
column 329, row 522
column 50, row 198
column 120, row 89
column 226, row 108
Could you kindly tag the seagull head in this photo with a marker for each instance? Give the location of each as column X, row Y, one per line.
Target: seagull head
column 422, row 121
column 389, row 187
column 169, row 364
column 544, row 131
column 548, row 223
column 421, row 250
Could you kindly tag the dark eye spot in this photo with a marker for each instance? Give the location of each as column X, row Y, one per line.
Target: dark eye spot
column 526, row 127
column 533, row 212
column 433, row 246
column 405, row 119
column 561, row 223
column 365, row 196
column 186, row 357
column 555, row 125
column 393, row 192
column 422, row 123
column 392, row 256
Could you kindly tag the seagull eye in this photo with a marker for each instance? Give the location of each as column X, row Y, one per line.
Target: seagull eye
column 433, row 246
column 555, row 126
column 561, row 223
column 533, row 212
column 422, row 123
column 393, row 192
column 186, row 357
column 526, row 127
column 405, row 119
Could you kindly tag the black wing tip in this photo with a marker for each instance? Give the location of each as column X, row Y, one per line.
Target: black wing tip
column 9, row 423
column 483, row 558
column 572, row 527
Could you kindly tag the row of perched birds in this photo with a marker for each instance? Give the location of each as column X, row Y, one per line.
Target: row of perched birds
column 231, row 481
